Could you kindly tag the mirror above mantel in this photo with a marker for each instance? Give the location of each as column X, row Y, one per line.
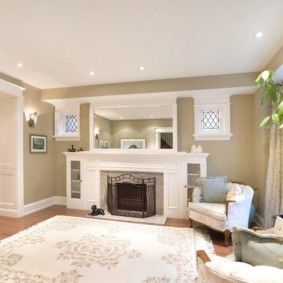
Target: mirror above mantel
column 133, row 122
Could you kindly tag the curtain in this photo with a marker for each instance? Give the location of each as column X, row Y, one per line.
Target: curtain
column 274, row 179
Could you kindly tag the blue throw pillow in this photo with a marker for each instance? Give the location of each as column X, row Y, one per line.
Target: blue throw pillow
column 214, row 189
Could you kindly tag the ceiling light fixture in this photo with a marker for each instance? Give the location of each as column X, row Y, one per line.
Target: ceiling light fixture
column 20, row 64
column 91, row 73
column 259, row 34
column 141, row 68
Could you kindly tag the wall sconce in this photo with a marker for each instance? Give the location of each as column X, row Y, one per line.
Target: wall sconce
column 32, row 117
column 96, row 134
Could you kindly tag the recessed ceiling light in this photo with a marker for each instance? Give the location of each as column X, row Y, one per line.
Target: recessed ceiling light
column 151, row 116
column 20, row 64
column 91, row 73
column 259, row 34
column 141, row 68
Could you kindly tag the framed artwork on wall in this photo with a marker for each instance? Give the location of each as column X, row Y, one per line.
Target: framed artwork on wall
column 38, row 144
column 132, row 143
column 103, row 144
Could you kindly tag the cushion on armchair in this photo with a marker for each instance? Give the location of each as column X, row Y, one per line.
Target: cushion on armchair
column 220, row 270
column 213, row 189
column 257, row 248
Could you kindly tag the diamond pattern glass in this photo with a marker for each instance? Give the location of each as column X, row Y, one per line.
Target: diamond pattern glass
column 71, row 124
column 210, row 120
column 75, row 179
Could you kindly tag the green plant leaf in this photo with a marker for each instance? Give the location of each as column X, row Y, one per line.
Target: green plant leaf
column 275, row 118
column 264, row 121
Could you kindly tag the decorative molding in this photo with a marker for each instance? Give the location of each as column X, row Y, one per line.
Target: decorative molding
column 67, row 138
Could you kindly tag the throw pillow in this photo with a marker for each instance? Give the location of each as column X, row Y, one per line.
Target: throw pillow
column 257, row 248
column 214, row 189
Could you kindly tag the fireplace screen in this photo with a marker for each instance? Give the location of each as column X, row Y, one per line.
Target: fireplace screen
column 131, row 196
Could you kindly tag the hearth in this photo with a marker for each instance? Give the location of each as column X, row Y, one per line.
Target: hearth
column 130, row 196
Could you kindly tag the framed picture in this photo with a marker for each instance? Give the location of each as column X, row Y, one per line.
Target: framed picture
column 103, row 144
column 132, row 143
column 38, row 144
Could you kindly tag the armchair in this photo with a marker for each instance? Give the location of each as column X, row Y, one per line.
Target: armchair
column 220, row 205
column 258, row 258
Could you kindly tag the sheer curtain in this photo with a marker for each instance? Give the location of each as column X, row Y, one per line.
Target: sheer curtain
column 274, row 180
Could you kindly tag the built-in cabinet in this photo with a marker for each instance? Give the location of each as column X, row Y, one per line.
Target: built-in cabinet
column 180, row 171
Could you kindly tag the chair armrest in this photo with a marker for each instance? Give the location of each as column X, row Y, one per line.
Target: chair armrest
column 203, row 256
column 227, row 205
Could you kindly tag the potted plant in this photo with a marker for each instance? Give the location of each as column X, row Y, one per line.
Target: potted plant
column 274, row 90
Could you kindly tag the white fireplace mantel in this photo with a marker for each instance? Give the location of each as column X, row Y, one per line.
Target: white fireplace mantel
column 173, row 166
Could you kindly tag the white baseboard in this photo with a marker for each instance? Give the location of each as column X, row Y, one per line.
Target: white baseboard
column 9, row 212
column 39, row 205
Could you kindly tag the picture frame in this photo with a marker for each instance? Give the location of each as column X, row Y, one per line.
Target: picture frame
column 132, row 143
column 103, row 144
column 38, row 143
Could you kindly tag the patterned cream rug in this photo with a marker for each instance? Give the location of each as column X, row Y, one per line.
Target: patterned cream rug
column 73, row 249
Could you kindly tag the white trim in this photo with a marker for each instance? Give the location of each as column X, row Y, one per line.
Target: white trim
column 205, row 102
column 212, row 137
column 9, row 212
column 11, row 89
column 42, row 204
column 67, row 138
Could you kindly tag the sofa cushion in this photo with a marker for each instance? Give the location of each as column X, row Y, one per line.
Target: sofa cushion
column 257, row 248
column 214, row 189
column 213, row 210
column 241, row 272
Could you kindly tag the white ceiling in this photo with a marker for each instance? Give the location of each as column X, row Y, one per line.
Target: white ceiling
column 60, row 41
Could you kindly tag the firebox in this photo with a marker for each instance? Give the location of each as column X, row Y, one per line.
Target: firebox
column 130, row 196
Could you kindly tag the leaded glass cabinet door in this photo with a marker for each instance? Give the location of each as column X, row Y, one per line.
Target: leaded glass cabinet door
column 76, row 179
column 193, row 174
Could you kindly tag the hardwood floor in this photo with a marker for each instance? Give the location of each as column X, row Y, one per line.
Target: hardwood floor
column 10, row 226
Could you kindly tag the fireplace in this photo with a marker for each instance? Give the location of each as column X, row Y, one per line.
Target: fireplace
column 130, row 196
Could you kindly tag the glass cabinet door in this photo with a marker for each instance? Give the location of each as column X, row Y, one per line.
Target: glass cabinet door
column 193, row 174
column 76, row 179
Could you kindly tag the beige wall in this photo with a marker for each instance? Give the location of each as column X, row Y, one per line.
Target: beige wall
column 137, row 129
column 178, row 84
column 62, row 146
column 105, row 130
column 233, row 158
column 38, row 167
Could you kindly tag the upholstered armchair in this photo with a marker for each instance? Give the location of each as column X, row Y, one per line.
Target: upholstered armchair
column 257, row 258
column 221, row 205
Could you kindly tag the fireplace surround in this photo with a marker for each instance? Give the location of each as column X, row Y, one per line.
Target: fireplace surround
column 170, row 168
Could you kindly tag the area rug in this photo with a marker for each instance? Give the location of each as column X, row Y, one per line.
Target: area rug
column 74, row 249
